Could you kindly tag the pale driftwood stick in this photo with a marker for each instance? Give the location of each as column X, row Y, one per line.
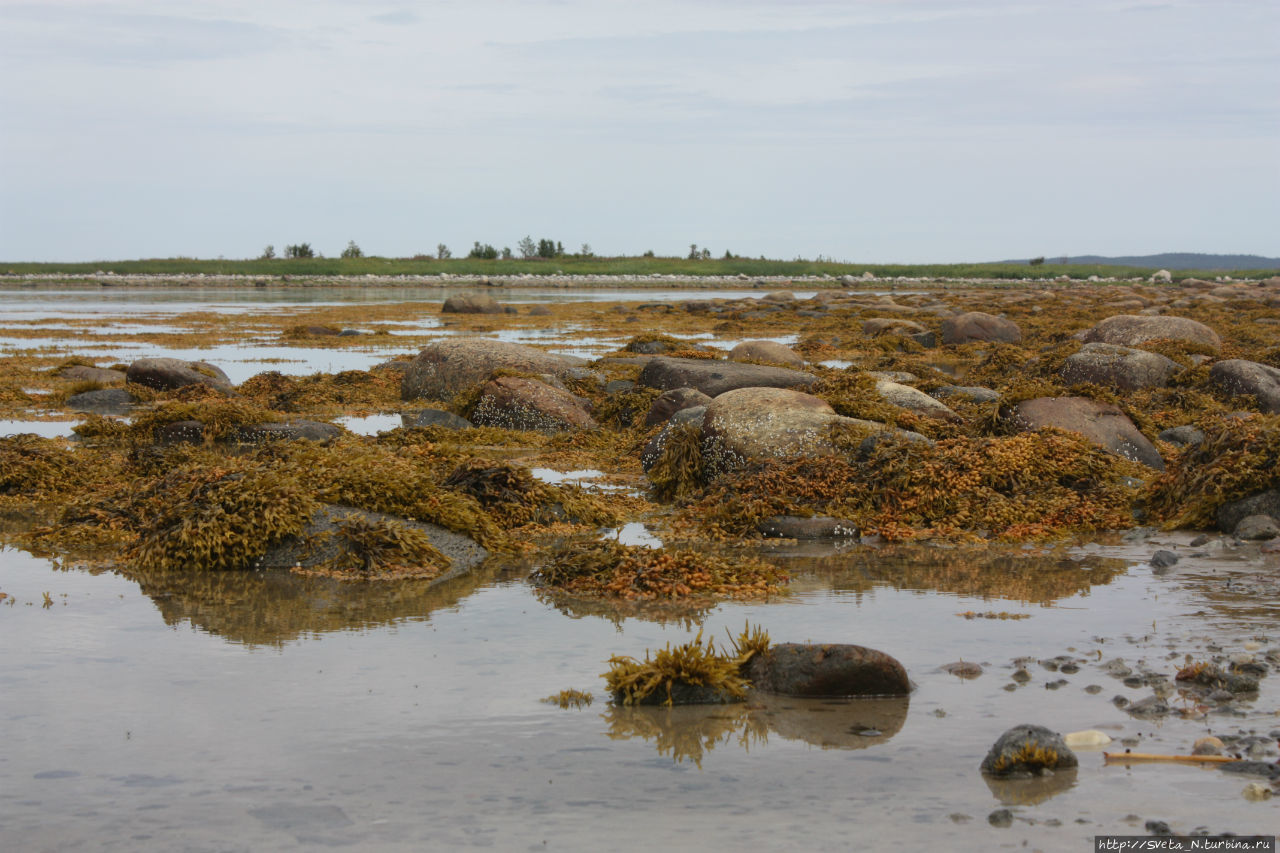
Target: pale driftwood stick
column 1118, row 757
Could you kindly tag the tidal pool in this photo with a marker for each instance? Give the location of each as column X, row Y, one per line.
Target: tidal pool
column 248, row 711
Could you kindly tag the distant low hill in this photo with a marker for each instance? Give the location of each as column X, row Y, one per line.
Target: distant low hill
column 1169, row 261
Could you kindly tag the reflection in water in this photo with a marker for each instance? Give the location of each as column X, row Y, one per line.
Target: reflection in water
column 275, row 607
column 691, row 731
column 1033, row 790
column 978, row 571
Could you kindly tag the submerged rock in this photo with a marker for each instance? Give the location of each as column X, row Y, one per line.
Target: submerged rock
column 798, row 669
column 1028, row 750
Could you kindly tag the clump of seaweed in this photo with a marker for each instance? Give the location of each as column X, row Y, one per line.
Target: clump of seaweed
column 220, row 415
column 219, row 517
column 690, row 665
column 570, row 698
column 678, row 471
column 38, row 468
column 513, row 497
column 1239, row 457
column 610, row 569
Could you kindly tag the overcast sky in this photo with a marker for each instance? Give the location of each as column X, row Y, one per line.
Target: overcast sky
column 863, row 130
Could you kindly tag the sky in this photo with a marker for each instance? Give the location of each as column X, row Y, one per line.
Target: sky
column 874, row 131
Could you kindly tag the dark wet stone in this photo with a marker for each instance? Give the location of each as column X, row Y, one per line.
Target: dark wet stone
column 1265, row 769
column 299, row 430
column 164, row 374
column 1117, row 668
column 1256, row 527
column 619, row 386
column 1000, row 818
column 179, row 432
column 315, row 546
column 1069, row 668
column 1012, row 753
column 819, row 527
column 1021, row 676
column 713, row 377
column 1054, row 685
column 1164, row 559
column 796, row 669
column 1202, row 539
column 106, row 401
column 1262, row 503
column 1150, row 708
column 669, row 402
column 1157, row 827
column 686, row 694
column 963, row 669
column 1182, row 436
column 1093, row 689
column 439, row 417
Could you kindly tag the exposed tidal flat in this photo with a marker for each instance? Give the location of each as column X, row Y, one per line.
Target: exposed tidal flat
column 897, row 461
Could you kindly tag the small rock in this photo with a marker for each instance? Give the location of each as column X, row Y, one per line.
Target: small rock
column 833, row 669
column 436, row 417
column 1256, row 792
column 963, row 669
column 1207, row 746
column 1254, row 528
column 1086, row 738
column 1164, row 559
column 1157, row 827
column 1149, row 708
column 1028, row 749
column 1001, row 818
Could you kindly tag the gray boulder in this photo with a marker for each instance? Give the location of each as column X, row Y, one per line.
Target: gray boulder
column 511, row 402
column 105, row 401
column 1028, row 750
column 713, row 377
column 471, row 303
column 816, row 527
column 179, row 432
column 670, row 402
column 767, row 351
column 1132, row 330
column 1114, row 366
column 834, row 669
column 978, row 326
column 1182, row 436
column 1103, row 424
column 299, row 430
column 436, row 417
column 165, row 374
column 972, row 393
column 914, row 400
column 1236, row 376
column 1257, row 527
column 444, row 368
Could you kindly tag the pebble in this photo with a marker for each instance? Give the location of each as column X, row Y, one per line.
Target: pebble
column 1255, row 792
column 1021, row 676
column 1000, row 818
column 1207, row 746
column 1093, row 688
column 1088, row 737
column 1157, row 827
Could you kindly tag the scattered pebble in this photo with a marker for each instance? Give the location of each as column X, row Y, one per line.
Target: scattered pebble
column 1207, row 746
column 1000, row 818
column 1256, row 792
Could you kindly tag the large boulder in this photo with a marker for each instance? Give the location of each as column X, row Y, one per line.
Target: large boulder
column 766, row 351
column 512, row 402
column 670, row 402
column 471, row 303
column 1101, row 423
column 1236, row 376
column 713, row 377
column 831, row 669
column 316, row 544
column 977, row 326
column 165, row 374
column 1132, row 330
column 444, row 368
column 1114, row 366
column 1230, row 515
column 762, row 423
column 1028, row 750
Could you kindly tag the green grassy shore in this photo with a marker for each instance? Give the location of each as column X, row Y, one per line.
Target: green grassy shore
column 590, row 266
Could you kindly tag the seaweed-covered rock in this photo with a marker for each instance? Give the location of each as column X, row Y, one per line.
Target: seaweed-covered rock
column 298, row 430
column 1231, row 514
column 876, row 326
column 1132, row 330
column 512, row 402
column 321, row 542
column 914, row 400
column 979, row 326
column 713, row 377
column 105, row 401
column 179, row 432
column 767, row 351
column 1237, row 376
column 471, row 303
column 1181, row 436
column 1102, row 423
column 814, row 527
column 1028, row 750
column 165, row 374
column 832, row 669
column 1114, row 366
column 670, row 402
column 444, row 368
column 759, row 423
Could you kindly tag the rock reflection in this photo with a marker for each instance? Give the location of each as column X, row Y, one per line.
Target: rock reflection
column 984, row 572
column 1031, row 791
column 276, row 607
column 689, row 732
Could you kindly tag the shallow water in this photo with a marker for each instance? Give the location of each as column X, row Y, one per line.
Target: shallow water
column 252, row 711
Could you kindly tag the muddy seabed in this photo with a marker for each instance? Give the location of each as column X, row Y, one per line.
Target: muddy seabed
column 253, row 711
